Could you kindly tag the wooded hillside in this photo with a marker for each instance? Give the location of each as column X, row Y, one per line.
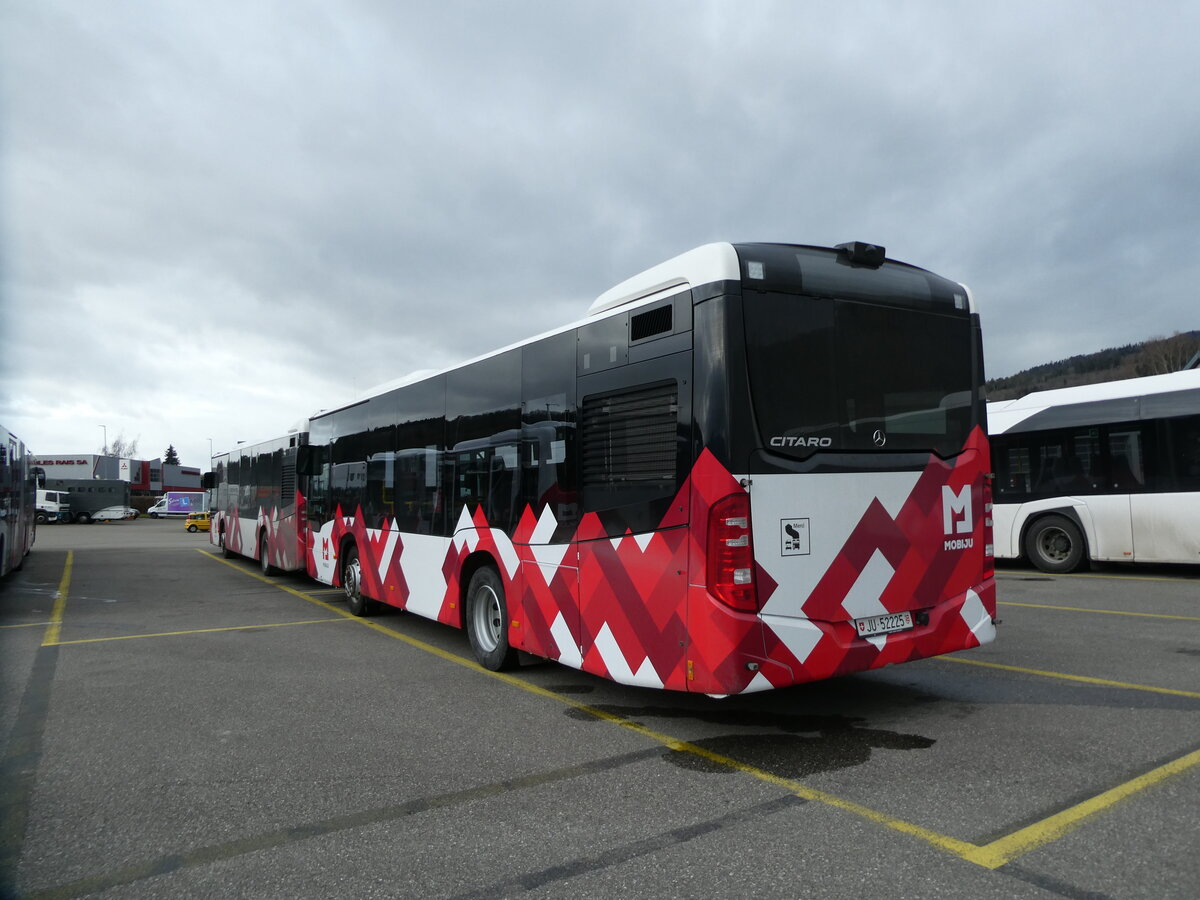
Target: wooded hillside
column 1153, row 357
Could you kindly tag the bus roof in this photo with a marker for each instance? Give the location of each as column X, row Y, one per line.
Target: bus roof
column 704, row 265
column 707, row 264
column 1109, row 401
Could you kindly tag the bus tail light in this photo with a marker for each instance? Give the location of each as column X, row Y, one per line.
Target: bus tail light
column 731, row 553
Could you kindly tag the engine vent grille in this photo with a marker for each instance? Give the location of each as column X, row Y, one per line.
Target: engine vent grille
column 630, row 438
column 650, row 323
column 287, row 483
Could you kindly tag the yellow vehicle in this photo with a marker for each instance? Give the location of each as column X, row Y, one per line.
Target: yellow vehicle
column 198, row 522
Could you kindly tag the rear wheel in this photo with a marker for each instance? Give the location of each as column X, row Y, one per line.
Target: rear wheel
column 356, row 603
column 487, row 621
column 84, row 518
column 1055, row 544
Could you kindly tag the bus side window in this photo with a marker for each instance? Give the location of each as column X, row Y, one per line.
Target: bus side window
column 1049, row 458
column 1016, row 480
column 1184, row 443
column 1125, row 455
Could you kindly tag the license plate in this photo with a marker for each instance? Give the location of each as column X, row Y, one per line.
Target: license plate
column 885, row 624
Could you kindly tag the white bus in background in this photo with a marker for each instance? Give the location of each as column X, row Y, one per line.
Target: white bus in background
column 1106, row 472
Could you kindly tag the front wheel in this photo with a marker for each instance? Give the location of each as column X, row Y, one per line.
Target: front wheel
column 1056, row 545
column 42, row 518
column 487, row 621
column 264, row 561
column 225, row 551
column 192, row 529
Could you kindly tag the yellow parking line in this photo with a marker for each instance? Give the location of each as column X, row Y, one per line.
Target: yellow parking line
column 60, row 603
column 131, row 637
column 1114, row 577
column 1039, row 834
column 1083, row 679
column 1103, row 612
column 26, row 625
column 990, row 856
column 1015, row 575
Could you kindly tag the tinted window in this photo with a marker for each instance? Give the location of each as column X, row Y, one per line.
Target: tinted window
column 821, row 272
column 420, row 442
column 483, row 428
column 365, row 436
column 1179, row 455
column 484, row 399
column 1074, row 462
column 548, row 446
column 1160, row 456
column 837, row 375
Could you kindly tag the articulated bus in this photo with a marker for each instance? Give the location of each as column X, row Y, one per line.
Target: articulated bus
column 257, row 510
column 1106, row 472
column 751, row 466
column 18, row 502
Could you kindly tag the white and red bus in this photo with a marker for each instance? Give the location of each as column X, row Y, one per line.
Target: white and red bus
column 750, row 466
column 18, row 502
column 1107, row 472
column 257, row 510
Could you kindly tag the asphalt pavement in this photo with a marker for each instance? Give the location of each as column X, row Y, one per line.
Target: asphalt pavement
column 178, row 725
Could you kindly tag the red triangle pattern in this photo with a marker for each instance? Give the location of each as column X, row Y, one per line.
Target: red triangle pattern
column 639, row 612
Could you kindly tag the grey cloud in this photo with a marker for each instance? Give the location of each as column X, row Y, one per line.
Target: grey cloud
column 329, row 196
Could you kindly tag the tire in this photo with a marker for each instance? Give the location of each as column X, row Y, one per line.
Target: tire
column 263, row 560
column 42, row 518
column 1055, row 544
column 83, row 519
column 487, row 621
column 225, row 551
column 192, row 529
column 356, row 603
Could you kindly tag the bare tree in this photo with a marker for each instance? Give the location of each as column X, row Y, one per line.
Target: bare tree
column 1167, row 354
column 122, row 448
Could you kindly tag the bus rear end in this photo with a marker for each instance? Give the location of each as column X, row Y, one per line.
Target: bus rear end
column 843, row 488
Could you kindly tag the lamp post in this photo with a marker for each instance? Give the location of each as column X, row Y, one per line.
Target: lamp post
column 105, row 451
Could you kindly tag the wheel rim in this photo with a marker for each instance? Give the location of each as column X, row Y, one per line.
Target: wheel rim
column 1054, row 544
column 486, row 618
column 350, row 581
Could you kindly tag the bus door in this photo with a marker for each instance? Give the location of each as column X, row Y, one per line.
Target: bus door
column 547, row 606
column 1164, row 510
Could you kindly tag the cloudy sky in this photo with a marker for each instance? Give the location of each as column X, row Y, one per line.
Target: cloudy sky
column 218, row 217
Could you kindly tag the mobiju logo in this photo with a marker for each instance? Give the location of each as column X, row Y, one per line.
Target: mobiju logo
column 957, row 516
